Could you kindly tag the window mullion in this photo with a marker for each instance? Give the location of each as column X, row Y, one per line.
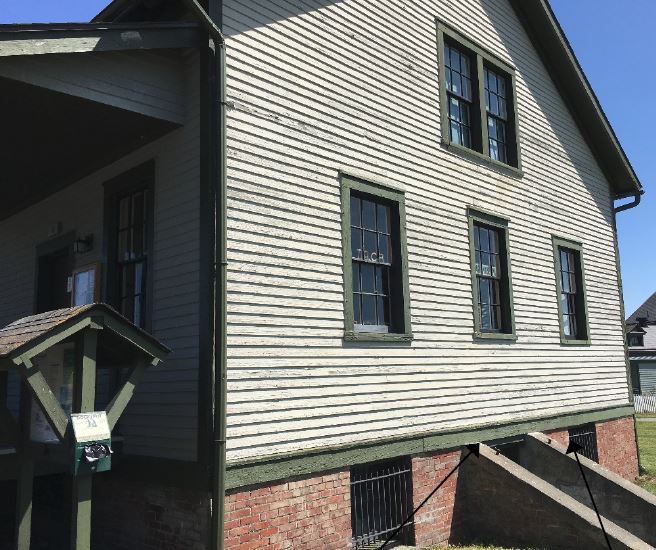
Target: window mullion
column 485, row 143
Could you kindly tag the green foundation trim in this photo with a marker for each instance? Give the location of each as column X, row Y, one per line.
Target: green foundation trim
column 244, row 474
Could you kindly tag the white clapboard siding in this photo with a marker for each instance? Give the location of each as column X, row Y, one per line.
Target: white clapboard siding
column 319, row 86
column 144, row 82
column 162, row 419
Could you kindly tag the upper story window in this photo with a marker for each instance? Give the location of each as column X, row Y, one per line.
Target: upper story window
column 570, row 284
column 129, row 216
column 491, row 278
column 477, row 94
column 636, row 340
column 375, row 263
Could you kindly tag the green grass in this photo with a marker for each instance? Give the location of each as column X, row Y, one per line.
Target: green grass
column 646, row 415
column 647, row 444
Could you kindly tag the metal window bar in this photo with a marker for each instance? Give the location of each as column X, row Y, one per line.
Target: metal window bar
column 586, row 436
column 381, row 498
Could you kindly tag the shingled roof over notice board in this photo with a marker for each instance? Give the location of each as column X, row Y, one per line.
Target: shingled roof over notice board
column 29, row 334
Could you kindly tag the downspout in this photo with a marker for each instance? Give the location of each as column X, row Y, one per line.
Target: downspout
column 637, row 195
column 217, row 154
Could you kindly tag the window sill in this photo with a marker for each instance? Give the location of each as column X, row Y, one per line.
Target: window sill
column 481, row 158
column 565, row 342
column 353, row 336
column 495, row 336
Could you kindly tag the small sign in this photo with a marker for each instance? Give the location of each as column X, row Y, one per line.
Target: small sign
column 91, row 426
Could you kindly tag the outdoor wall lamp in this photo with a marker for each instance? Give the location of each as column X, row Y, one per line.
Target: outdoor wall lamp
column 82, row 246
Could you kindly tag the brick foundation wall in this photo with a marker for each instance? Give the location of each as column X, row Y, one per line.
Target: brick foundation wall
column 561, row 436
column 313, row 513
column 129, row 515
column 617, row 448
column 616, row 445
column 435, row 521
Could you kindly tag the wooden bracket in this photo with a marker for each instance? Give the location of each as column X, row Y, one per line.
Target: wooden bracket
column 43, row 395
column 124, row 395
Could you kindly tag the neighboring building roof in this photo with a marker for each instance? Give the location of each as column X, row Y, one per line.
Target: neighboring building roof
column 646, row 310
column 551, row 43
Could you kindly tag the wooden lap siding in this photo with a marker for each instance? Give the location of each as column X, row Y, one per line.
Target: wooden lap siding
column 162, row 419
column 319, row 86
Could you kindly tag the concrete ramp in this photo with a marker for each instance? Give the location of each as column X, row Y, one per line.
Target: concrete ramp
column 504, row 503
column 619, row 500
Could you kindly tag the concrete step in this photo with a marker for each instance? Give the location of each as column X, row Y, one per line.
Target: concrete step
column 508, row 505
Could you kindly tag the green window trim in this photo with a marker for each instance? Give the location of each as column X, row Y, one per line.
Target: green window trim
column 480, row 59
column 476, row 216
column 396, row 197
column 558, row 243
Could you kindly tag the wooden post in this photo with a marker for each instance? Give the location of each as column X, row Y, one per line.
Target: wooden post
column 25, row 481
column 84, row 397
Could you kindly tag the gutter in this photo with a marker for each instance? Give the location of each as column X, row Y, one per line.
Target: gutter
column 217, row 251
column 637, row 195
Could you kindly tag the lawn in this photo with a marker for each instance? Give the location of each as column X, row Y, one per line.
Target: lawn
column 647, row 444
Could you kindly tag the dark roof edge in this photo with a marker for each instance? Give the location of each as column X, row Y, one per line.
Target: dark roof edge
column 113, row 10
column 551, row 43
column 93, row 26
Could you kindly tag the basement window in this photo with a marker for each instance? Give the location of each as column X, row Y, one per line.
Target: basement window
column 586, row 437
column 478, row 101
column 381, row 499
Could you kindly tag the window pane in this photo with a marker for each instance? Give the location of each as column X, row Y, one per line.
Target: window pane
column 368, row 214
column 455, row 60
column 124, row 213
column 367, row 275
column 123, row 252
column 494, row 240
column 484, row 291
column 564, row 304
column 139, row 274
column 368, row 309
column 356, row 218
column 357, row 315
column 484, row 239
column 566, row 326
column 356, row 243
column 564, row 279
column 564, row 263
column 356, row 276
column 384, row 252
column 379, row 279
column 383, row 218
column 370, row 245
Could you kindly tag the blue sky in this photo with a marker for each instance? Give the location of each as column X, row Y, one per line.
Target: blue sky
column 615, row 48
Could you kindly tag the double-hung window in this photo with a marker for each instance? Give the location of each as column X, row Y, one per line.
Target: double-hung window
column 570, row 286
column 458, row 73
column 491, row 277
column 129, row 229
column 375, row 262
column 477, row 95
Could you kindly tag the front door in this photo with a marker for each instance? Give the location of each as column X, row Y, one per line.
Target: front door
column 54, row 269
